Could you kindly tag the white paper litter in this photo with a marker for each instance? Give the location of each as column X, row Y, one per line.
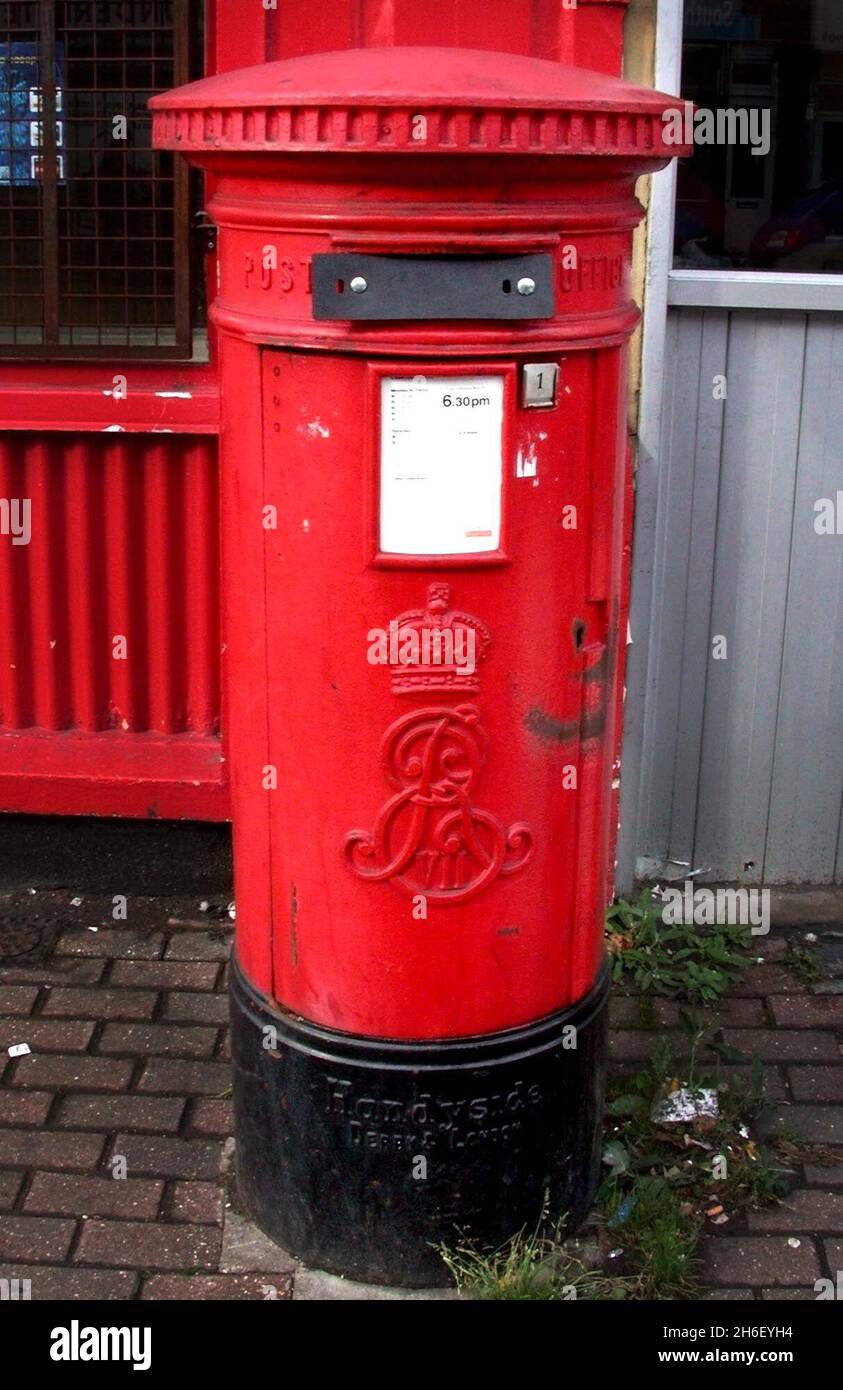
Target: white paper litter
column 685, row 1105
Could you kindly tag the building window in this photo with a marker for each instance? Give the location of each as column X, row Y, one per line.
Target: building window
column 94, row 223
column 739, row 207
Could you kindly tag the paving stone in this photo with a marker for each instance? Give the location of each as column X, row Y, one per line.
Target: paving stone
column 10, row 1185
column 805, row 1210
column 165, row 974
column 60, row 971
column 773, row 947
column 101, row 1003
column 166, row 1157
column 47, row 1034
column 217, row 1287
column 766, row 980
column 807, row 1011
column 69, row 1283
column 758, row 1261
column 793, row 1045
column 727, row 1295
column 88, row 1073
column 818, row 1124
column 834, row 1257
column 821, row 1176
column 788, row 1295
column 142, row 1245
column 738, row 1013
column 187, row 1077
column 829, row 956
column 66, row 1194
column 199, row 946
column 35, row 1238
column 137, row 1039
column 17, row 999
column 24, row 1107
column 38, row 1148
column 197, row 1202
column 246, row 1249
column 816, row 1083
column 154, row 1114
column 626, row 1046
column 315, row 1284
column 774, row 1083
column 184, row 1006
column 117, row 941
column 786, row 1045
column 211, row 1116
column 217, row 919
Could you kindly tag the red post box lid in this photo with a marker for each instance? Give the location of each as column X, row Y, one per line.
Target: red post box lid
column 419, row 101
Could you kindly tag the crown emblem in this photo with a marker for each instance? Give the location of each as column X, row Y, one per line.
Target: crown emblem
column 436, row 647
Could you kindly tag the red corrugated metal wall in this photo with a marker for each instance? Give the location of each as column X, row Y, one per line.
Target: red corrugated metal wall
column 110, row 644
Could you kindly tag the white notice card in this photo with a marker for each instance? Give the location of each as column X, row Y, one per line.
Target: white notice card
column 441, row 464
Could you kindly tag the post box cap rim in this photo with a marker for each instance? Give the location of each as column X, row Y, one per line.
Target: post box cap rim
column 473, row 101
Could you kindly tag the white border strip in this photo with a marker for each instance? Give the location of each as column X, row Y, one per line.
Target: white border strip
column 660, row 222
column 746, row 289
column 668, row 76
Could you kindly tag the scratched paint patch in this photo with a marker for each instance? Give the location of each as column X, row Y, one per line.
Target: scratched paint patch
column 526, row 462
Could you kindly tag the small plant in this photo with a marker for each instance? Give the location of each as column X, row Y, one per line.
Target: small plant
column 681, row 961
column 803, row 962
column 667, row 1177
column 658, row 1235
column 531, row 1267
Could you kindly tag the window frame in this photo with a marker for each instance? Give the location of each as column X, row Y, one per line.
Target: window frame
column 51, row 349
column 717, row 289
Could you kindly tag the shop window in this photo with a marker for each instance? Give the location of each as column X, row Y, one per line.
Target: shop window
column 741, row 205
column 94, row 224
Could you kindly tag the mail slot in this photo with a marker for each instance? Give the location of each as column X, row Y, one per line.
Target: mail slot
column 423, row 287
column 423, row 480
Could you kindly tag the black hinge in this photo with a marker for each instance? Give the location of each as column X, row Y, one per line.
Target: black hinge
column 205, row 233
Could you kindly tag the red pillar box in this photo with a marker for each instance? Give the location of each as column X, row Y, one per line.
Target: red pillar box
column 423, row 313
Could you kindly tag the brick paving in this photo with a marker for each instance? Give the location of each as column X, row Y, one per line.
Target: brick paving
column 115, row 1152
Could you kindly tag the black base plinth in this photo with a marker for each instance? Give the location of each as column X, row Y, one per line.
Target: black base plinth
column 360, row 1155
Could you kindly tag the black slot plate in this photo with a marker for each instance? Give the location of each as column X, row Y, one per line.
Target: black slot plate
column 432, row 287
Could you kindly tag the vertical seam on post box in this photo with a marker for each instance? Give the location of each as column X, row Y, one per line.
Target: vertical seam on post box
column 593, row 359
column 264, row 368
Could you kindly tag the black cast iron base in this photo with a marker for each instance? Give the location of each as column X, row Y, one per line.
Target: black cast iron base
column 359, row 1155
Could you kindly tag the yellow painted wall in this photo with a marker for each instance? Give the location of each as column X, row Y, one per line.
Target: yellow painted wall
column 639, row 66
